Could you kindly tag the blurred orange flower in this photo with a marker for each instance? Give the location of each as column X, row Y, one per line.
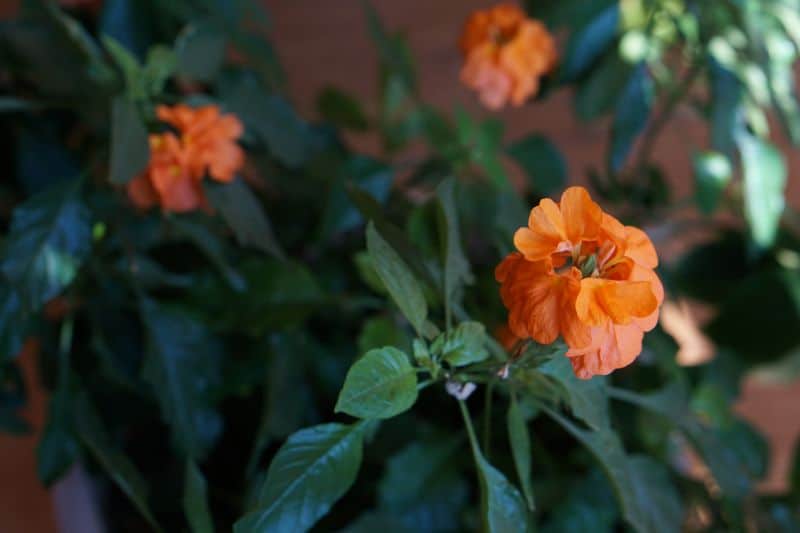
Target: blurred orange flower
column 581, row 274
column 505, row 55
column 174, row 175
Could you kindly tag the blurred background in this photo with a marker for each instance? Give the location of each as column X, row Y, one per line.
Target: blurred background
column 327, row 43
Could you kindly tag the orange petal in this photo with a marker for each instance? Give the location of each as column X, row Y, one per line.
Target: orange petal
column 601, row 300
column 640, row 248
column 141, row 192
column 613, row 346
column 541, row 304
column 582, row 216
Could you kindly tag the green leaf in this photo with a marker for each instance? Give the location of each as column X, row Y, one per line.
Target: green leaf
column 712, row 173
column 341, row 109
column 543, row 164
column 505, row 508
column 381, row 384
column 588, row 43
column 464, row 345
column 58, row 447
column 195, row 500
column 482, row 144
column 382, row 331
column 520, row 441
column 212, row 247
column 280, row 295
column 587, row 399
column 632, row 113
column 272, row 119
column 422, row 488
column 456, row 265
column 395, row 238
column 655, row 491
column 395, row 60
column 130, row 149
column 49, row 237
column 310, row 472
column 130, row 66
column 602, row 89
column 200, row 48
column 161, row 64
column 726, row 108
column 244, row 214
column 115, row 463
column 13, row 321
column 726, row 465
column 183, row 366
column 397, row 278
column 636, row 490
column 765, row 176
column 794, row 473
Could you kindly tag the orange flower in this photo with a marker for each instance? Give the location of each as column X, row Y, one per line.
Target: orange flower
column 506, row 54
column 174, row 175
column 581, row 274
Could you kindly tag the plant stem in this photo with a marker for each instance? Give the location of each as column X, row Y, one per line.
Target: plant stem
column 664, row 115
column 487, row 419
column 473, row 440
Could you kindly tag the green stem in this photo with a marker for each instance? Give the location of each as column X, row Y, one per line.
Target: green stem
column 473, row 440
column 487, row 419
column 673, row 99
column 64, row 349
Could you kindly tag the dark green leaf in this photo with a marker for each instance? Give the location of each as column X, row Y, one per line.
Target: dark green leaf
column 195, row 500
column 200, row 48
column 382, row 331
column 311, row 471
column 130, row 66
column 49, row 237
column 272, row 119
column 182, row 365
column 764, row 183
column 505, row 508
column 635, row 490
column 117, row 466
column 130, row 150
column 397, row 278
column 632, row 113
column 58, row 447
column 421, row 487
column 381, row 384
column 601, row 91
column 587, row 399
column 520, row 441
column 725, row 464
column 464, row 345
column 13, row 321
column 212, row 247
column 370, row 177
column 712, row 173
column 280, row 294
column 456, row 265
column 543, row 164
column 244, row 214
column 589, row 42
column 341, row 109
column 794, row 473
column 161, row 64
column 726, row 108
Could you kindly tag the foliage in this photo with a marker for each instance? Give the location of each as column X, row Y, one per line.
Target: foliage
column 207, row 367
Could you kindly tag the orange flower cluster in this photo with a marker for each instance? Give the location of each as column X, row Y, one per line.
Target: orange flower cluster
column 506, row 54
column 206, row 144
column 579, row 273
